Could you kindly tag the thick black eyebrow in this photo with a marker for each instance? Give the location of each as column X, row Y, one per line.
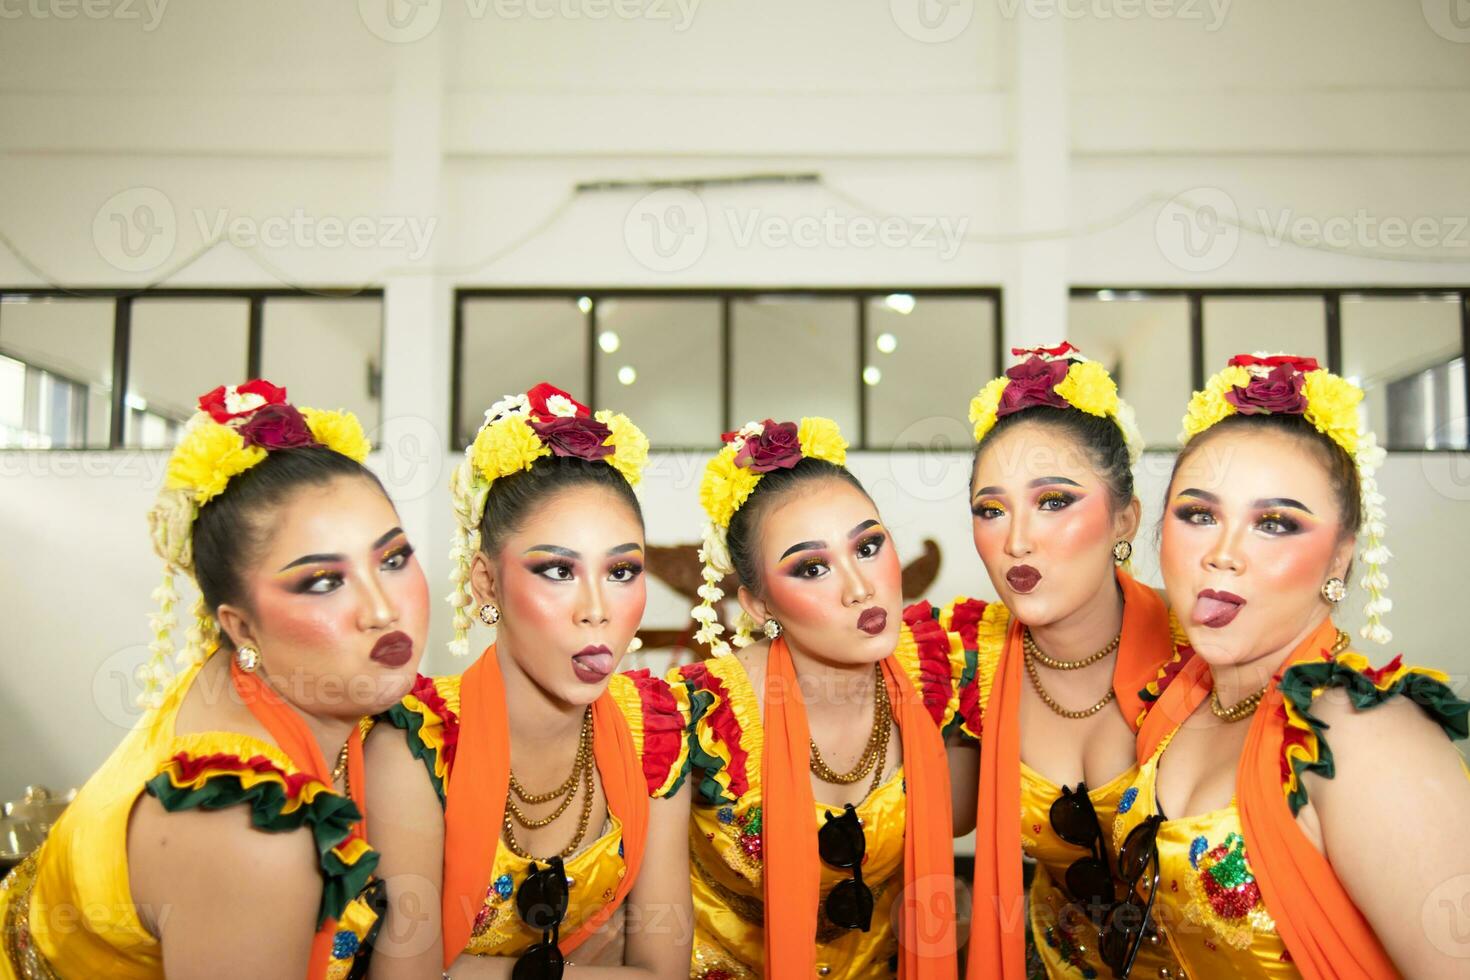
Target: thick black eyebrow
column 312, row 560
column 623, row 548
column 990, row 492
column 1204, row 495
column 1283, row 502
column 802, row 546
column 859, row 529
column 1044, row 480
column 387, row 537
column 552, row 549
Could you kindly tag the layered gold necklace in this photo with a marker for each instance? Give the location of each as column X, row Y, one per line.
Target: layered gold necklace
column 874, row 753
column 582, row 769
column 1033, row 656
column 1247, row 705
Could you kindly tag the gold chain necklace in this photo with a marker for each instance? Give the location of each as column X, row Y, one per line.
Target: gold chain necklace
column 339, row 771
column 582, row 770
column 874, row 753
column 1247, row 705
column 1051, row 703
column 1050, row 663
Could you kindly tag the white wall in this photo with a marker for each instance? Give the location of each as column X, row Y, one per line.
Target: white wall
column 1058, row 141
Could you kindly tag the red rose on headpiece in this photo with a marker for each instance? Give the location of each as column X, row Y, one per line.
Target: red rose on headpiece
column 543, row 393
column 1303, row 364
column 274, row 427
column 1032, row 383
column 1279, row 392
column 579, row 437
column 778, row 447
column 1061, row 350
column 218, row 403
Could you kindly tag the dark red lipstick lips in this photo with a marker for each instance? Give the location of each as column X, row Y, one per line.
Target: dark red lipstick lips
column 1023, row 578
column 1216, row 609
column 393, row 650
column 873, row 621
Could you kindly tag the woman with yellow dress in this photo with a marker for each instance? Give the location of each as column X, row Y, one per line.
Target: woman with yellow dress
column 512, row 803
column 1299, row 812
column 820, row 842
column 217, row 840
column 1054, row 685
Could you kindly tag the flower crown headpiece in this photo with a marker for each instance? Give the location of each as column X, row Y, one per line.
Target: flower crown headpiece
column 517, row 431
column 1279, row 384
column 1060, row 377
column 235, row 428
column 750, row 452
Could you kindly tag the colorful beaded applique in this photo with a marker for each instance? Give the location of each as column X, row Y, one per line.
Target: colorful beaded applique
column 1223, row 891
column 1126, row 802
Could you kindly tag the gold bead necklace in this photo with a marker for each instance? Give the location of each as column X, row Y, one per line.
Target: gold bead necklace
column 875, row 753
column 1050, row 663
column 582, row 771
column 1049, row 701
column 1247, row 705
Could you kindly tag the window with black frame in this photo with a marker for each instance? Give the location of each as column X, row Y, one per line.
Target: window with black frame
column 96, row 370
column 894, row 368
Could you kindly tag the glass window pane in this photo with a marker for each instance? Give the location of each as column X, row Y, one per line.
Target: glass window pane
column 509, row 345
column 180, row 348
column 1405, row 353
column 68, row 343
column 795, row 356
column 654, row 354
column 1144, row 344
column 925, row 358
column 1278, row 325
column 326, row 353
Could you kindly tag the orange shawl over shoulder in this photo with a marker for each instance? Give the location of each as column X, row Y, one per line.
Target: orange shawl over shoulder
column 475, row 800
column 998, row 924
column 793, row 883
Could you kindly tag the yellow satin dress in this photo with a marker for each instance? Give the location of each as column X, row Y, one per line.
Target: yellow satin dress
column 1208, row 907
column 429, row 716
column 725, row 841
column 67, row 911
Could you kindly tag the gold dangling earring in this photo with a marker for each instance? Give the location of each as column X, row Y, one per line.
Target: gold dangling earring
column 1334, row 590
column 1122, row 551
column 247, row 658
column 771, row 628
column 489, row 614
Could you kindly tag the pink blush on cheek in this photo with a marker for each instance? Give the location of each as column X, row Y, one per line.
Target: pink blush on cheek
column 802, row 602
column 1298, row 562
column 304, row 620
column 1080, row 528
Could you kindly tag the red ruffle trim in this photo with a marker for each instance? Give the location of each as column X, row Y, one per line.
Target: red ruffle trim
column 936, row 681
column 663, row 727
column 425, row 691
column 191, row 767
column 965, row 620
column 723, row 723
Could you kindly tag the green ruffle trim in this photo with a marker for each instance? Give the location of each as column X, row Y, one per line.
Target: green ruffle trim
column 1302, row 683
column 709, row 789
column 329, row 815
column 412, row 723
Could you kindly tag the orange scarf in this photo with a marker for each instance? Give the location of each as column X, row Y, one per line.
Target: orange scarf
column 1324, row 931
column 794, row 870
column 998, row 923
column 475, row 800
column 300, row 745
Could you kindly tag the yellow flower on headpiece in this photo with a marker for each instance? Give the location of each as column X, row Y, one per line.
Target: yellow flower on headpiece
column 821, row 439
column 207, row 458
column 1332, row 407
column 725, row 486
column 1209, row 406
column 505, row 447
column 630, row 446
column 984, row 406
column 1089, row 387
column 340, row 432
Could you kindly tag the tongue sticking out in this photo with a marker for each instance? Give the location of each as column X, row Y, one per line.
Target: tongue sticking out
column 1212, row 612
column 601, row 663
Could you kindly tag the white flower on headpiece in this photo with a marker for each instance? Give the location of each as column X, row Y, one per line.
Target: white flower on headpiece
column 561, row 406
column 235, row 402
column 509, row 405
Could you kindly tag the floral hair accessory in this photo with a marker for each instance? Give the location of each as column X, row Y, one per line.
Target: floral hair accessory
column 1061, row 378
column 517, row 431
column 235, row 428
column 1279, row 384
column 750, row 452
